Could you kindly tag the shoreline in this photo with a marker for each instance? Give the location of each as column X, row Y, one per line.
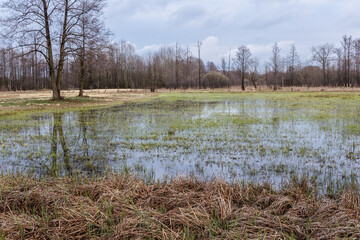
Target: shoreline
column 14, row 103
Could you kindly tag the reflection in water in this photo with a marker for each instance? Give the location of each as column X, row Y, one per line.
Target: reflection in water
column 58, row 133
column 251, row 140
column 82, row 134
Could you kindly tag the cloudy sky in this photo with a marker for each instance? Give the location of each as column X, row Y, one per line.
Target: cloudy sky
column 225, row 24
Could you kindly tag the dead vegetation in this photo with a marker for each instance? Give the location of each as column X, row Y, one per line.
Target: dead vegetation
column 13, row 102
column 122, row 207
column 29, row 101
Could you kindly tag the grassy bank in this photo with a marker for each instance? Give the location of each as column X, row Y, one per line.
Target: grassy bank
column 122, row 207
column 14, row 103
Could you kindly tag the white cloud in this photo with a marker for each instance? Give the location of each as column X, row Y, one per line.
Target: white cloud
column 149, row 49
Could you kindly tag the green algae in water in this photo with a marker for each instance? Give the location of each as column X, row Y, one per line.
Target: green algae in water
column 248, row 137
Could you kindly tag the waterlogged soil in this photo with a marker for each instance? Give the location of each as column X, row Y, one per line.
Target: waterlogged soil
column 257, row 137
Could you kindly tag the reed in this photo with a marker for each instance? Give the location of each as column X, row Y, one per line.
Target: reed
column 123, row 207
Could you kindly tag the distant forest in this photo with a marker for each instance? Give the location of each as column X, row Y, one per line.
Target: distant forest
column 63, row 44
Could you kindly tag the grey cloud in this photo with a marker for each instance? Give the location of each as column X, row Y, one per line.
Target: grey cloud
column 188, row 15
column 234, row 22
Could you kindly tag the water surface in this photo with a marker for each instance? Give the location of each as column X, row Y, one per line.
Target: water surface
column 238, row 138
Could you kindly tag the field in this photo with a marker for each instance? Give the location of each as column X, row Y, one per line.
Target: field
column 180, row 165
column 29, row 101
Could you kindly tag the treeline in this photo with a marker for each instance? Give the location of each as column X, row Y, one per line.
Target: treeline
column 63, row 44
column 117, row 65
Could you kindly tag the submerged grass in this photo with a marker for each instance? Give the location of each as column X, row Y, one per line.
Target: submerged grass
column 249, row 136
column 123, row 207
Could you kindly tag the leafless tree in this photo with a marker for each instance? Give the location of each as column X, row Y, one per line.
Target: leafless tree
column 3, row 69
column 177, row 59
column 266, row 74
column 51, row 23
column 199, row 48
column 356, row 47
column 347, row 51
column 187, row 68
column 275, row 61
column 242, row 60
column 211, row 66
column 322, row 55
column 254, row 67
column 293, row 63
column 339, row 60
column 223, row 65
column 89, row 34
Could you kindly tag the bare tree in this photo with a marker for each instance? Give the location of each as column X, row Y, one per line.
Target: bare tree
column 322, row 55
column 275, row 62
column 4, row 64
column 223, row 65
column 293, row 63
column 229, row 68
column 347, row 47
column 199, row 48
column 177, row 59
column 90, row 34
column 243, row 61
column 254, row 66
column 52, row 22
column 187, row 68
column 266, row 75
column 338, row 53
column 211, row 66
column 356, row 47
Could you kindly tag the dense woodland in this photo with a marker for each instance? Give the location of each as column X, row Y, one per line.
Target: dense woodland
column 64, row 44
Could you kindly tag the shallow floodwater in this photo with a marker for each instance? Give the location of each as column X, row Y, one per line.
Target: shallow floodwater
column 245, row 139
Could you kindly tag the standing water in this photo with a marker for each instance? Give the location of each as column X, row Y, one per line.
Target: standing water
column 242, row 138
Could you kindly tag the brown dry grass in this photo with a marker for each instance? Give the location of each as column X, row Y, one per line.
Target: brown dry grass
column 15, row 102
column 122, row 207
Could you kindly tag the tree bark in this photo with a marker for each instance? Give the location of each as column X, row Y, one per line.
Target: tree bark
column 50, row 59
column 242, row 80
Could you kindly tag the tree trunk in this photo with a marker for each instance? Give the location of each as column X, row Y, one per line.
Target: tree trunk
column 82, row 75
column 253, row 80
column 62, row 52
column 243, row 81
column 50, row 60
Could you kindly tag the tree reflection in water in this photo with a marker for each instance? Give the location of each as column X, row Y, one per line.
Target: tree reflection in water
column 58, row 133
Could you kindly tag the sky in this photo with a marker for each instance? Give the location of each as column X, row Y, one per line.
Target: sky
column 222, row 25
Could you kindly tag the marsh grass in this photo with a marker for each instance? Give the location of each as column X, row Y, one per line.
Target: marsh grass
column 254, row 137
column 123, row 207
column 176, row 131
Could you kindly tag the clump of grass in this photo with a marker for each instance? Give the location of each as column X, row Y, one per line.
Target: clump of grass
column 123, row 207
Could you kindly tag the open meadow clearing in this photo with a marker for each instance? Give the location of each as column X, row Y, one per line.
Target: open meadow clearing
column 252, row 150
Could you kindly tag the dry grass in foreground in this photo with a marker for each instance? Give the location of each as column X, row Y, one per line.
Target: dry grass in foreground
column 120, row 207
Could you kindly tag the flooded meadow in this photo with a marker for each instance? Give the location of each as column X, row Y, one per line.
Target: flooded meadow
column 252, row 137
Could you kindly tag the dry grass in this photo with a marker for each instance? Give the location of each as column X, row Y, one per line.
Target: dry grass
column 14, row 102
column 122, row 207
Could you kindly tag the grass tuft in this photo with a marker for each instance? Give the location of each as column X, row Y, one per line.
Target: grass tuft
column 123, row 207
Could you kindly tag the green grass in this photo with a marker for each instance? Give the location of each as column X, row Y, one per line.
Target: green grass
column 242, row 136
